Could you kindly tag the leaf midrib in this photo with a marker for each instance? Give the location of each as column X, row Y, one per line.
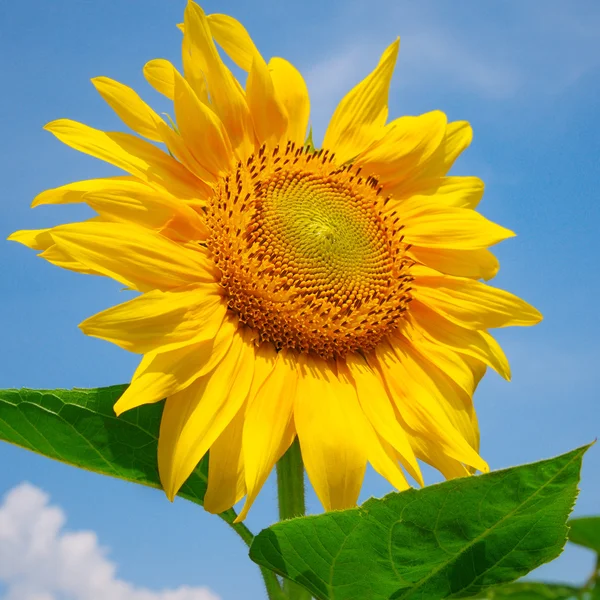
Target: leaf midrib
column 425, row 579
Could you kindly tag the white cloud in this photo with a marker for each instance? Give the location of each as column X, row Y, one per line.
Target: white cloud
column 39, row 560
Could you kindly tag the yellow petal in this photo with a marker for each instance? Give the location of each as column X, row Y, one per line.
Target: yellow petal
column 160, row 74
column 178, row 148
column 226, row 482
column 267, row 422
column 331, row 428
column 139, row 258
column 458, row 138
column 72, row 193
column 138, row 157
column 157, row 320
column 443, row 358
column 470, row 303
column 132, row 110
column 360, row 116
column 476, row 264
column 202, row 132
column 37, row 239
column 268, row 114
column 232, row 36
column 192, row 70
column 163, row 374
column 133, row 202
column 407, row 144
column 437, row 226
column 420, row 403
column 455, row 378
column 54, row 255
column 459, row 192
column 378, row 409
column 194, row 419
column 227, row 99
column 478, row 344
column 384, row 459
column 429, row 452
column 292, row 92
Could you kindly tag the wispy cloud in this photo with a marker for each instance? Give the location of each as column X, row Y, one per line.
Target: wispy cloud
column 537, row 49
column 39, row 560
column 434, row 55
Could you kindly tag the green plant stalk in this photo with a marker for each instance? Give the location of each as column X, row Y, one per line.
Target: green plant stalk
column 274, row 591
column 290, row 492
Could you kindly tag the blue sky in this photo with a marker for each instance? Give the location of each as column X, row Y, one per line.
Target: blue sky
column 526, row 75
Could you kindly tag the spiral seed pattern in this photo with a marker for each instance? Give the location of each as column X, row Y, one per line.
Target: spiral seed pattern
column 309, row 257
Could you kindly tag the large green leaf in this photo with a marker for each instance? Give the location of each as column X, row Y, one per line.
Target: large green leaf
column 79, row 427
column 449, row 540
column 532, row 591
column 585, row 531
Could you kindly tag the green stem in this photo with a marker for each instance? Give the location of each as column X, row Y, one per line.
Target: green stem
column 270, row 580
column 290, row 491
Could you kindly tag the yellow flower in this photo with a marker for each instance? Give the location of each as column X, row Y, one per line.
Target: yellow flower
column 333, row 295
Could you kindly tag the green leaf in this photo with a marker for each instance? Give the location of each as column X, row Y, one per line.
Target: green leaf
column 585, row 531
column 532, row 591
column 445, row 541
column 79, row 427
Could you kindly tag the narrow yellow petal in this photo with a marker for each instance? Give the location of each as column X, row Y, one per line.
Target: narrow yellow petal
column 268, row 114
column 55, row 256
column 455, row 378
column 470, row 303
column 361, row 115
column 292, row 92
column 432, row 225
column 132, row 202
column 163, row 374
column 407, row 144
column 477, row 344
column 202, row 132
column 458, row 138
column 450, row 362
column 194, row 419
column 267, row 421
column 232, row 36
column 157, row 320
column 476, row 264
column 132, row 110
column 227, row 99
column 377, row 406
column 384, row 459
column 226, row 481
column 160, row 74
column 429, row 452
column 420, row 403
column 459, row 192
column 36, row 239
column 331, row 428
column 178, row 148
column 72, row 193
column 136, row 156
column 139, row 258
column 192, row 70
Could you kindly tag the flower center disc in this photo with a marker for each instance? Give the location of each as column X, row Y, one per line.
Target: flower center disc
column 309, row 258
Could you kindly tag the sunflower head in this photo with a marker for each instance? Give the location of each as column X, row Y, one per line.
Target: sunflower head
column 332, row 295
column 309, row 257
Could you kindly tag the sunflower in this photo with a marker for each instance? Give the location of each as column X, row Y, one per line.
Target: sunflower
column 332, row 295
